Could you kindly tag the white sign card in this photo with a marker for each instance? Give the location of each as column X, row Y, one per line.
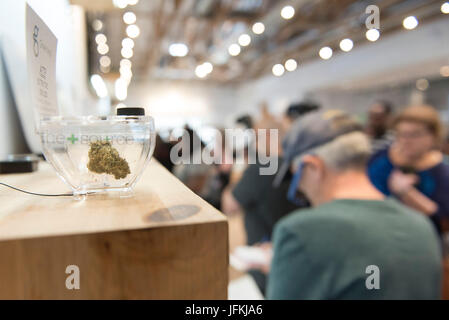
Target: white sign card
column 41, row 58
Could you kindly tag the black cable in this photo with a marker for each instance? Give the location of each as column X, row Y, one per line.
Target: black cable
column 37, row 194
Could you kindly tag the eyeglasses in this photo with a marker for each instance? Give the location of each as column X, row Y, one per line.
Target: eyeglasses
column 293, row 195
column 411, row 134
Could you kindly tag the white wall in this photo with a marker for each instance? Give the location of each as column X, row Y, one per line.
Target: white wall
column 384, row 69
column 393, row 59
column 68, row 26
column 12, row 141
column 357, row 102
column 175, row 103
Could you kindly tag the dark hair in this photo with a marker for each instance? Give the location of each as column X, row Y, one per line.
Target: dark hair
column 297, row 110
column 246, row 120
column 387, row 105
column 426, row 115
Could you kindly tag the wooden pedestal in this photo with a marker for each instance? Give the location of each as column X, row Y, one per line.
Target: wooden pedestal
column 163, row 243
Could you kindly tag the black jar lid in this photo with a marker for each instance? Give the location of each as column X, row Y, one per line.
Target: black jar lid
column 130, row 111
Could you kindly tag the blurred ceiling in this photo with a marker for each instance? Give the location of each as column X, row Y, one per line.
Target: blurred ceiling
column 209, row 27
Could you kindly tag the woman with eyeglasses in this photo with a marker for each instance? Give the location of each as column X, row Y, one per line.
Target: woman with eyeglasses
column 412, row 168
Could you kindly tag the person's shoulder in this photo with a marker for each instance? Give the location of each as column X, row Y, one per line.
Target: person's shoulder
column 379, row 167
column 311, row 230
column 392, row 205
column 380, row 156
column 254, row 169
column 443, row 169
column 293, row 231
column 345, row 212
column 250, row 174
column 343, row 217
column 255, row 172
column 302, row 221
column 410, row 217
column 441, row 174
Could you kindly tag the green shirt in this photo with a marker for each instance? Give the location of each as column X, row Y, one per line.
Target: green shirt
column 324, row 253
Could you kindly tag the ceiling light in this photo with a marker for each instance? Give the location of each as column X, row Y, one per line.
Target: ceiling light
column 127, row 81
column 132, row 31
column 346, row 45
column 125, row 63
column 287, row 12
column 105, row 69
column 410, row 23
column 291, row 65
column 204, row 69
column 244, row 40
column 124, row 69
column 100, row 38
column 129, row 17
column 422, row 84
column 278, row 70
column 178, row 50
column 121, row 90
column 234, row 49
column 99, row 85
column 445, row 8
column 120, row 3
column 103, row 48
column 127, row 52
column 105, row 61
column 208, row 67
column 372, row 35
column 97, row 25
column 444, row 71
column 258, row 28
column 125, row 73
column 128, row 43
column 326, row 53
column 201, row 71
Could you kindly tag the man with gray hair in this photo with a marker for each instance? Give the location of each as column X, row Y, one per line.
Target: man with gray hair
column 353, row 243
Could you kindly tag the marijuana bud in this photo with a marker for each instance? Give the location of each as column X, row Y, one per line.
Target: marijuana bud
column 103, row 158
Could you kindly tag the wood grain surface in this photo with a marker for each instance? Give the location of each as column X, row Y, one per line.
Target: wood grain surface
column 163, row 243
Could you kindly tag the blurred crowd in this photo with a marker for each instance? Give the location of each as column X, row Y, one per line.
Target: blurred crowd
column 350, row 199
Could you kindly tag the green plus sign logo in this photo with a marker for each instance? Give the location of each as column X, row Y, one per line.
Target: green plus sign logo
column 72, row 139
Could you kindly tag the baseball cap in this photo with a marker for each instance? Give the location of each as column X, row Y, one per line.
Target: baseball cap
column 296, row 110
column 312, row 131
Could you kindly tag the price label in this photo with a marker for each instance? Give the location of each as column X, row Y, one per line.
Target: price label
column 41, row 58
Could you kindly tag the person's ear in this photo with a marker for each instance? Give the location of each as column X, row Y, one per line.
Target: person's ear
column 314, row 164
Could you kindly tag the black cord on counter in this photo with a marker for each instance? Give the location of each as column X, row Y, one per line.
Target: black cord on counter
column 37, row 194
